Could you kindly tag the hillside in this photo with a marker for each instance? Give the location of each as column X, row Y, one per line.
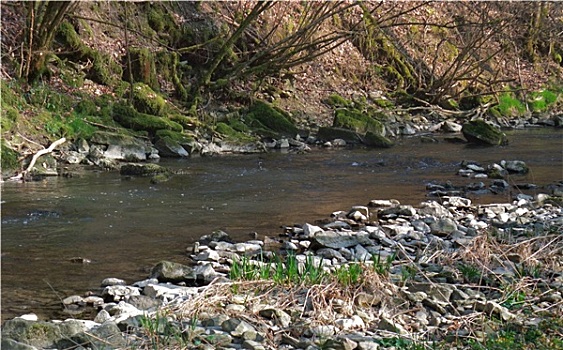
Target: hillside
column 204, row 63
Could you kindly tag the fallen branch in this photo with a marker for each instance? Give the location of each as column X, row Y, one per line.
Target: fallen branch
column 35, row 157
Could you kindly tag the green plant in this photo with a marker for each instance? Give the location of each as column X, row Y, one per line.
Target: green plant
column 539, row 101
column 470, row 273
column 382, row 267
column 529, row 270
column 509, row 105
column 407, row 273
column 161, row 332
column 349, row 274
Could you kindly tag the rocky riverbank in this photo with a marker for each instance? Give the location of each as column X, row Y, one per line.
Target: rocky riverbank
column 381, row 275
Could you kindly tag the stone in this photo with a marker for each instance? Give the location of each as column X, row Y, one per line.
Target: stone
column 113, row 282
column 443, row 226
column 281, row 317
column 515, row 166
column 167, row 147
column 376, row 140
column 480, row 132
column 332, row 239
column 311, row 230
column 142, row 169
column 388, row 325
column 236, row 327
column 450, row 126
column 252, row 345
column 117, row 292
column 167, row 271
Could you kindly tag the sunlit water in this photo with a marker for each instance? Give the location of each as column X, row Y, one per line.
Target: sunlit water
column 124, row 226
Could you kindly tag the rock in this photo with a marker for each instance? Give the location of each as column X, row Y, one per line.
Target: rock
column 388, row 325
column 480, row 132
column 237, row 327
column 280, row 316
column 438, row 291
column 120, row 147
column 449, row 126
column 331, row 133
column 167, row 271
column 332, row 239
column 142, row 169
column 167, row 147
column 117, row 292
column 113, row 282
column 39, row 334
column 216, row 236
column 311, row 230
column 376, row 140
column 515, row 166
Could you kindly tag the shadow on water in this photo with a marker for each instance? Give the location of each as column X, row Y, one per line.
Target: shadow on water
column 124, row 226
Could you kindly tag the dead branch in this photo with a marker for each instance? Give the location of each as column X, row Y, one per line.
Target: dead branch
column 35, row 157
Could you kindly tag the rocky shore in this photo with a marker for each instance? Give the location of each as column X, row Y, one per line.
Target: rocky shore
column 377, row 276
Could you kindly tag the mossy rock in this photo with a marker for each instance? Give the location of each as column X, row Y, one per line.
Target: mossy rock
column 130, row 118
column 331, row 133
column 143, row 169
column 188, row 123
column 357, row 121
column 231, row 134
column 271, row 118
column 9, row 157
column 376, row 140
column 337, row 101
column 145, row 100
column 179, row 137
column 168, row 147
column 480, row 132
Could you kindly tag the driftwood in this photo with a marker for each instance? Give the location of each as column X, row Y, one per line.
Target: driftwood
column 36, row 156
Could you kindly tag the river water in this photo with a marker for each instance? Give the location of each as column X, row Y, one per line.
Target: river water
column 126, row 225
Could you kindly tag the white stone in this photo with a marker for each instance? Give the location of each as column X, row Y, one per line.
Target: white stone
column 29, row 317
column 311, row 230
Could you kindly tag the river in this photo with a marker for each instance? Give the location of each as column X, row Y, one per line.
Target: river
column 126, row 225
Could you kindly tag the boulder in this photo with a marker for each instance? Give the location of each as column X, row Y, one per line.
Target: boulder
column 332, row 133
column 376, row 140
column 167, row 147
column 121, row 147
column 480, row 132
column 142, row 169
column 167, row 271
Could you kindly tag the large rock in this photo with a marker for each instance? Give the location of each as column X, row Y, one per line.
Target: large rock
column 480, row 132
column 167, row 271
column 142, row 169
column 376, row 140
column 121, row 147
column 331, row 133
column 334, row 240
column 167, row 147
column 41, row 334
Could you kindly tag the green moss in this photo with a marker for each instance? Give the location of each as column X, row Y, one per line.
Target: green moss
column 145, row 100
column 480, row 132
column 143, row 67
column 188, row 123
column 357, row 121
column 231, row 134
column 335, row 101
column 130, row 118
column 9, row 157
column 376, row 140
column 263, row 115
column 175, row 136
column 541, row 100
column 86, row 107
column 104, row 70
column 509, row 105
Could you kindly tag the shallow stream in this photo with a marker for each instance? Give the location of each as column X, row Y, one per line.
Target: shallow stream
column 126, row 225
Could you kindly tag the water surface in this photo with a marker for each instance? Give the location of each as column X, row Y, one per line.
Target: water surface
column 125, row 226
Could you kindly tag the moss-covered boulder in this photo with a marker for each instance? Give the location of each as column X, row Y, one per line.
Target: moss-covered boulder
column 131, row 118
column 480, row 132
column 145, row 100
column 40, row 334
column 143, row 169
column 357, row 121
column 231, row 134
column 376, row 140
column 263, row 116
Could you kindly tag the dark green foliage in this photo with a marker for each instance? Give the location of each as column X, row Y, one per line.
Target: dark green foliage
column 130, row 118
column 262, row 114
